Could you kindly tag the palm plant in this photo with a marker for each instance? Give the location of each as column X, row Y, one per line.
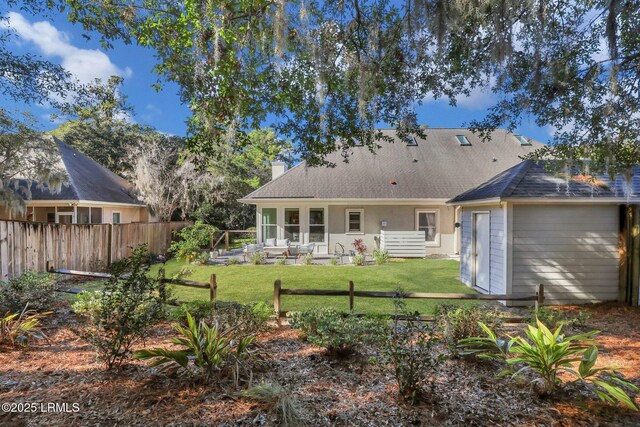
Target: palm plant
column 18, row 328
column 208, row 347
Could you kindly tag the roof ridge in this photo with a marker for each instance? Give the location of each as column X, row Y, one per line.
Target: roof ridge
column 525, row 166
column 72, row 184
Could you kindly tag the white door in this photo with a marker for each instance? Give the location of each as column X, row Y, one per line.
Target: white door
column 481, row 251
column 65, row 217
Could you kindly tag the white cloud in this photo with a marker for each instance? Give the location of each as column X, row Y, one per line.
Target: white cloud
column 479, row 98
column 85, row 64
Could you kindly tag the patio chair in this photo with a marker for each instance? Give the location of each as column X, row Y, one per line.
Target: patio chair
column 277, row 246
column 302, row 250
column 250, row 249
column 339, row 251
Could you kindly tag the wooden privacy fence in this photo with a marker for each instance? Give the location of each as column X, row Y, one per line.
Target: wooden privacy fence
column 27, row 246
column 278, row 291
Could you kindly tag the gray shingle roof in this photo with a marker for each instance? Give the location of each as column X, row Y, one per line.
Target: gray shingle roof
column 535, row 179
column 88, row 180
column 438, row 167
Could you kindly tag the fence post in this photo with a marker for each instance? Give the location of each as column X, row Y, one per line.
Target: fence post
column 540, row 295
column 226, row 240
column 213, row 288
column 161, row 278
column 109, row 245
column 351, row 295
column 277, row 286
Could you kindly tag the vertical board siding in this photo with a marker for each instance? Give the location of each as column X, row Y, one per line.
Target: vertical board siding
column 27, row 246
column 572, row 250
column 466, row 245
column 497, row 256
column 496, row 248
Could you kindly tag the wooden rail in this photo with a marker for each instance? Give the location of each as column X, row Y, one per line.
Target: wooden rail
column 278, row 291
column 212, row 285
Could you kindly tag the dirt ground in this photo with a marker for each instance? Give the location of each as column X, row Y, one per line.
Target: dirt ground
column 326, row 392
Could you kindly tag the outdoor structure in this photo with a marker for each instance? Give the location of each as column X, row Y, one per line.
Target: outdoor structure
column 93, row 195
column 401, row 189
column 529, row 225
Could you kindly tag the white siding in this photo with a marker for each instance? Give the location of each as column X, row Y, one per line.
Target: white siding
column 496, row 247
column 466, row 247
column 572, row 250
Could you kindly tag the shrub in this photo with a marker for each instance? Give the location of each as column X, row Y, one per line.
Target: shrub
column 409, row 349
column 359, row 247
column 191, row 239
column 247, row 319
column 277, row 400
column 554, row 318
column 19, row 328
column 281, row 261
column 455, row 322
column 185, row 271
column 359, row 259
column 341, row 334
column 380, row 257
column 333, row 260
column 114, row 319
column 210, row 348
column 35, row 289
column 232, row 261
column 547, row 354
column 308, row 259
column 257, row 258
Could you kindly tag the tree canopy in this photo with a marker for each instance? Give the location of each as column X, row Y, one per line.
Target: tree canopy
column 328, row 71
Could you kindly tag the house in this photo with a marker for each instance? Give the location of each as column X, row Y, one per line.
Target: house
column 529, row 225
column 392, row 196
column 92, row 195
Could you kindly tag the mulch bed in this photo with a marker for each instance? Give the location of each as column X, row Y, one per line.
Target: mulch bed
column 349, row 392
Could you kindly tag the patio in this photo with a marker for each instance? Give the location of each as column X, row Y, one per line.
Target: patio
column 318, row 259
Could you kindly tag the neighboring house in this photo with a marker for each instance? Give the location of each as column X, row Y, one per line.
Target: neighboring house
column 92, row 195
column 401, row 188
column 528, row 225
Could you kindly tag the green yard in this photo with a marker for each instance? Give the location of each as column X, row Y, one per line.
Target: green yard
column 249, row 283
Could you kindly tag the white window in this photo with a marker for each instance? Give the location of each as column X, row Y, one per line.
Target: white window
column 116, row 217
column 354, row 221
column 427, row 221
column 316, row 225
column 269, row 224
column 292, row 224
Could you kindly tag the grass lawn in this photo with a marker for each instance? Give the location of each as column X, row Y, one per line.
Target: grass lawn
column 250, row 283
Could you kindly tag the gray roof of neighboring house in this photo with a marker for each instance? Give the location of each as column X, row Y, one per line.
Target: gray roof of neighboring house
column 535, row 179
column 437, row 167
column 87, row 180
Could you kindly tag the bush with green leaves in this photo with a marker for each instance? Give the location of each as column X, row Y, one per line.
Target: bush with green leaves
column 455, row 322
column 38, row 290
column 307, row 259
column 19, row 328
column 191, row 239
column 211, row 350
column 277, row 400
column 547, row 354
column 114, row 319
column 257, row 258
column 380, row 257
column 248, row 319
column 359, row 259
column 555, row 317
column 409, row 347
column 281, row 261
column 333, row 260
column 232, row 261
column 341, row 334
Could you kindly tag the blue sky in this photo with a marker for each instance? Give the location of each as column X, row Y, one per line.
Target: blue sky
column 58, row 41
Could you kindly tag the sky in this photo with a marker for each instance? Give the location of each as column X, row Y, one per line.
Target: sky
column 58, row 41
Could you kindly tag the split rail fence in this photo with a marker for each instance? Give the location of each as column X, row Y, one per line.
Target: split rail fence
column 212, row 286
column 278, row 291
column 27, row 246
